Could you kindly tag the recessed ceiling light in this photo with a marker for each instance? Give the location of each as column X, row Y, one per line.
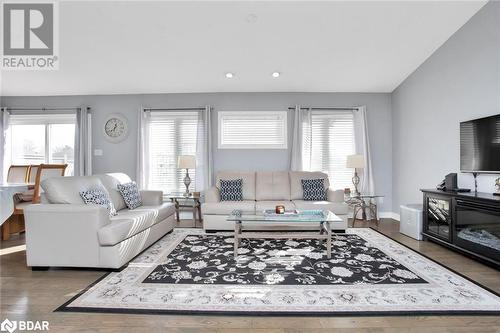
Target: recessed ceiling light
column 229, row 75
column 251, row 18
column 276, row 74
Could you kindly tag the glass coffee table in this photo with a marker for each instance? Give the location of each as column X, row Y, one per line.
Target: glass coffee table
column 258, row 226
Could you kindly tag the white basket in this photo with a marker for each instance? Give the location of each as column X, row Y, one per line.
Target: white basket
column 410, row 221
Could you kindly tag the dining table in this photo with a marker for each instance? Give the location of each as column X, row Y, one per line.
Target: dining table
column 7, row 192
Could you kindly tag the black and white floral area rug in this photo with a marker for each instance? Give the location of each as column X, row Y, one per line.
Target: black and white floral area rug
column 188, row 272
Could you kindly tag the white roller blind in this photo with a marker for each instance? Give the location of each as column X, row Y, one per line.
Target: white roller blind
column 171, row 134
column 332, row 137
column 252, row 130
column 46, row 118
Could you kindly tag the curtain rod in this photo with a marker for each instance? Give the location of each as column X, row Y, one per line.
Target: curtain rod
column 174, row 109
column 44, row 109
column 326, row 108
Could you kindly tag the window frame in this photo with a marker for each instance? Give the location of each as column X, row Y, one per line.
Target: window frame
column 46, row 120
column 324, row 117
column 284, row 122
column 172, row 115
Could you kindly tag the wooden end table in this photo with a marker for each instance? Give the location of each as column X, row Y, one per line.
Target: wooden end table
column 362, row 203
column 189, row 201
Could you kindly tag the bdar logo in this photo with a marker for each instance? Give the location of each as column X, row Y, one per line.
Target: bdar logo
column 8, row 326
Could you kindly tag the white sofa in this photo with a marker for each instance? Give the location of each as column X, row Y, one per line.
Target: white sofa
column 264, row 190
column 63, row 231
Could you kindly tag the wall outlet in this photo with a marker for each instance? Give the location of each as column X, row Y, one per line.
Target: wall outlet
column 97, row 152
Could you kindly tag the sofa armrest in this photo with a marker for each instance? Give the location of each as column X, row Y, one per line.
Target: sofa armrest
column 64, row 234
column 97, row 212
column 335, row 195
column 151, row 198
column 212, row 195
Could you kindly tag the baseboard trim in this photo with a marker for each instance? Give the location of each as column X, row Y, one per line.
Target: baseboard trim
column 382, row 215
column 389, row 215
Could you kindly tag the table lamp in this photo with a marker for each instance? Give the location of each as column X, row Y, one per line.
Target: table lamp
column 186, row 162
column 355, row 162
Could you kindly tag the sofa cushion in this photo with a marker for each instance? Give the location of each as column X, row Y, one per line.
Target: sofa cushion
column 272, row 185
column 226, row 207
column 261, row 206
column 98, row 196
column 231, row 190
column 338, row 208
column 164, row 210
column 296, row 177
column 130, row 194
column 110, row 182
column 131, row 222
column 314, row 189
column 66, row 190
column 248, row 178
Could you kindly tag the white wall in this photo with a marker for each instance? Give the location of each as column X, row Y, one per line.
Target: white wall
column 122, row 157
column 415, row 142
column 460, row 81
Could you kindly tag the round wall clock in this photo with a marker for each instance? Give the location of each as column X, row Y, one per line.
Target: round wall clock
column 115, row 127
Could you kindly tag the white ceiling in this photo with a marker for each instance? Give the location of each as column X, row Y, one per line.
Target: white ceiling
column 157, row 47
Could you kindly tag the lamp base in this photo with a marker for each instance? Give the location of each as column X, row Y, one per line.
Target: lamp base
column 355, row 182
column 187, row 182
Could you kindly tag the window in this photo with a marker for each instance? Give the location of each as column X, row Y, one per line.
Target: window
column 170, row 134
column 37, row 139
column 332, row 140
column 252, row 130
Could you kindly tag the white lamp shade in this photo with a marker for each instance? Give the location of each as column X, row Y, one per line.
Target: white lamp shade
column 355, row 162
column 186, row 162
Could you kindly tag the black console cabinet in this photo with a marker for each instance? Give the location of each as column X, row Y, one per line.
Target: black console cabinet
column 466, row 222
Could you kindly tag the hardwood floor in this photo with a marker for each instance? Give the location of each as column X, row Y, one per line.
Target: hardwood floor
column 27, row 295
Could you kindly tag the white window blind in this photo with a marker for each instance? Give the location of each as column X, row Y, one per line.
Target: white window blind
column 252, row 130
column 170, row 134
column 332, row 139
column 35, row 119
column 43, row 138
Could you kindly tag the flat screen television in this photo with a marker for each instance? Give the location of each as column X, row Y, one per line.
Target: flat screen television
column 480, row 145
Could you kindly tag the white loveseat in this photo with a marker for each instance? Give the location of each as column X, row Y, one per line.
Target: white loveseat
column 63, row 231
column 264, row 190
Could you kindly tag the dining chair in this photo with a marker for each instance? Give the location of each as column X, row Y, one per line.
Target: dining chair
column 32, row 173
column 18, row 174
column 31, row 177
column 47, row 171
column 43, row 171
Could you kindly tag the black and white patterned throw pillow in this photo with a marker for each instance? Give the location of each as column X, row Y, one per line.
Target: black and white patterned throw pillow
column 98, row 196
column 231, row 190
column 130, row 194
column 314, row 189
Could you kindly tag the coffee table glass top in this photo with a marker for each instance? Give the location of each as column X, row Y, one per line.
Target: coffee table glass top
column 302, row 216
